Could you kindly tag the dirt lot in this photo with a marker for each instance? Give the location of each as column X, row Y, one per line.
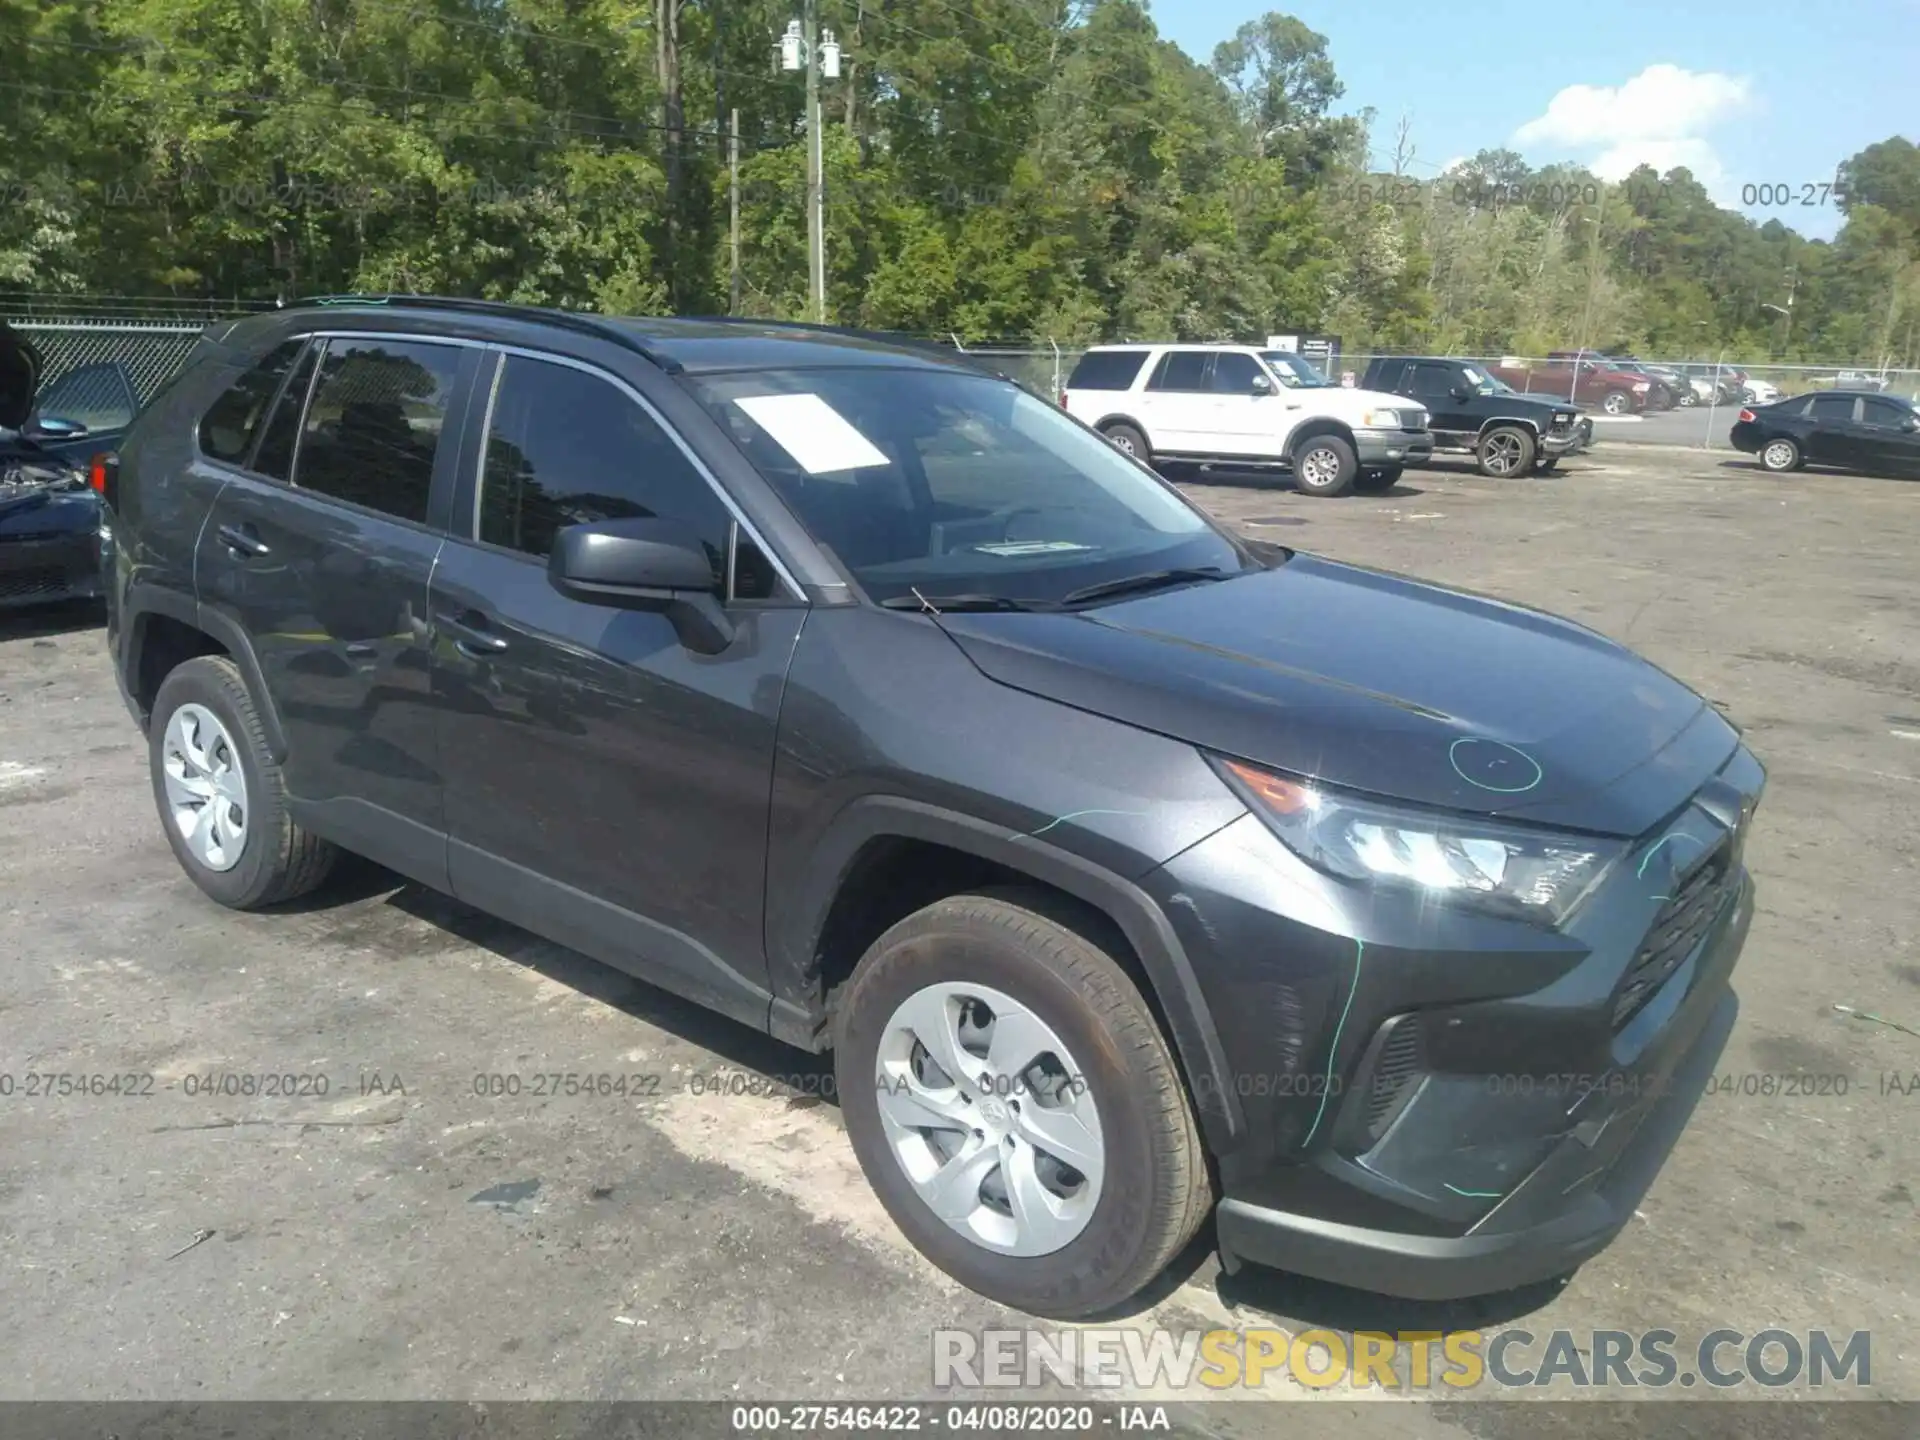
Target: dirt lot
column 404, row 1236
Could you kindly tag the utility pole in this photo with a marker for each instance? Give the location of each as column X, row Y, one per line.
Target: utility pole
column 733, row 209
column 805, row 43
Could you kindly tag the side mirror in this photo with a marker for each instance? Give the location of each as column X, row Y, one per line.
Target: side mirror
column 53, row 427
column 1262, row 385
column 1461, row 392
column 644, row 564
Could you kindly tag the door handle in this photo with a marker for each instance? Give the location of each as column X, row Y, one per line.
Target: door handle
column 245, row 541
column 471, row 637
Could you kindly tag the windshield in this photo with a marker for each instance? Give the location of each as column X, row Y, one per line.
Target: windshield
column 957, row 484
column 1293, row 372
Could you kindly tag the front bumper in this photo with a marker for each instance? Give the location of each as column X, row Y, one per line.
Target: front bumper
column 1436, row 1104
column 51, row 553
column 1393, row 447
column 1555, row 443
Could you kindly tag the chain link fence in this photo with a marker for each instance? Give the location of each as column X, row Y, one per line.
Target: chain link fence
column 150, row 353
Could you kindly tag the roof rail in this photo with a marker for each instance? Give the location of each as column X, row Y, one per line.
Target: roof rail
column 568, row 319
column 886, row 337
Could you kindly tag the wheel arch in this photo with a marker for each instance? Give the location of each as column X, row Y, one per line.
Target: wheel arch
column 833, row 915
column 1121, row 418
column 1519, row 422
column 1315, row 428
column 165, row 629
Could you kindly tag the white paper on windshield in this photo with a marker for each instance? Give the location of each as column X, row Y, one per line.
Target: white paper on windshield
column 815, row 434
column 1028, row 547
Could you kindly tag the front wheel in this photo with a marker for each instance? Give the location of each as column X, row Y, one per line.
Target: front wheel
column 1781, row 456
column 1015, row 1106
column 1325, row 466
column 1617, row 402
column 1505, row 450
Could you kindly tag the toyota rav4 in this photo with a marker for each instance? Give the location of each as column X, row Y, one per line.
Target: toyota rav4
column 1124, row 865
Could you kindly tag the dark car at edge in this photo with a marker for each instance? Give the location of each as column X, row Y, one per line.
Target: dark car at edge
column 51, row 535
column 1130, row 870
column 1846, row 429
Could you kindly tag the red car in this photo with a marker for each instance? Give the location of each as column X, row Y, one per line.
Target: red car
column 1584, row 379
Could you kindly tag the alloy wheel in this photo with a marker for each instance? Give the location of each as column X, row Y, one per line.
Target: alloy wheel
column 990, row 1118
column 1320, row 467
column 1502, row 451
column 1777, row 456
column 206, row 788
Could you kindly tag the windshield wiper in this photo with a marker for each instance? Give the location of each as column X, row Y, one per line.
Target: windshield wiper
column 943, row 604
column 1151, row 580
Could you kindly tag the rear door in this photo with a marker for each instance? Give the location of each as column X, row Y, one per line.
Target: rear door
column 606, row 786
column 320, row 548
column 1177, row 407
column 1834, row 436
column 1889, row 439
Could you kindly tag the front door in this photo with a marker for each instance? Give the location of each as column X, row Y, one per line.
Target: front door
column 1888, row 438
column 1447, row 415
column 606, row 786
column 1835, row 437
column 1248, row 422
column 320, row 547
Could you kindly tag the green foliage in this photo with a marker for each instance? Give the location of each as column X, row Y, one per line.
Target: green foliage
column 994, row 169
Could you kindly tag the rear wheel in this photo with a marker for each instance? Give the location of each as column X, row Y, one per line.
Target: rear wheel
column 1128, row 441
column 1781, row 456
column 1324, row 465
column 1015, row 1106
column 1378, row 482
column 221, row 796
column 1505, row 450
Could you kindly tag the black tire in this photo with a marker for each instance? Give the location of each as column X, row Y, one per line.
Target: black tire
column 1781, row 455
column 278, row 861
column 1546, row 466
column 1378, row 482
column 1617, row 402
column 1324, row 466
column 1505, row 451
column 1157, row 1189
column 1129, row 441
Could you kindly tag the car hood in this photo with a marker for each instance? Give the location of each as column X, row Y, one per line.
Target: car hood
column 1379, row 683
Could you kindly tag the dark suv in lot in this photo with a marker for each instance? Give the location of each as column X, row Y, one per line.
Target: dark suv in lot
column 868, row 699
column 1473, row 413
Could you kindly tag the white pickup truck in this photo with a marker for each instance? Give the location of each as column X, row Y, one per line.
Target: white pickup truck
column 1245, row 406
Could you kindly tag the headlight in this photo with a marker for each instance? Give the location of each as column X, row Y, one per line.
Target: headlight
column 1641, row 385
column 1469, row 860
column 1381, row 419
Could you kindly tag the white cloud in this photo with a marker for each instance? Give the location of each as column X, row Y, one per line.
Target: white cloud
column 1660, row 117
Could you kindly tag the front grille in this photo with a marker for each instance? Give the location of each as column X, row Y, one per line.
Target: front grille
column 1399, row 1065
column 1681, row 924
column 22, row 584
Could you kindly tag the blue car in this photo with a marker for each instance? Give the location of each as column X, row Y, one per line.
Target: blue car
column 51, row 518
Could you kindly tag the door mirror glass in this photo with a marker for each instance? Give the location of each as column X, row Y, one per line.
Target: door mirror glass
column 53, row 427
column 1261, row 385
column 1461, row 391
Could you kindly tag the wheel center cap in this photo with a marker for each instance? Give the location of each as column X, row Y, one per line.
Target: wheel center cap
column 993, row 1110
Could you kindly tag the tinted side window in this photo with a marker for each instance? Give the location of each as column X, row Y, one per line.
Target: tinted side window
column 1106, row 370
column 1429, row 379
column 99, row 396
column 568, row 448
column 375, row 422
column 275, row 456
column 1234, row 374
column 1833, row 407
column 227, row 429
column 1887, row 413
column 1180, row 370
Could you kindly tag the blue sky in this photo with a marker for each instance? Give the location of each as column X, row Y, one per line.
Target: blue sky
column 1766, row 92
